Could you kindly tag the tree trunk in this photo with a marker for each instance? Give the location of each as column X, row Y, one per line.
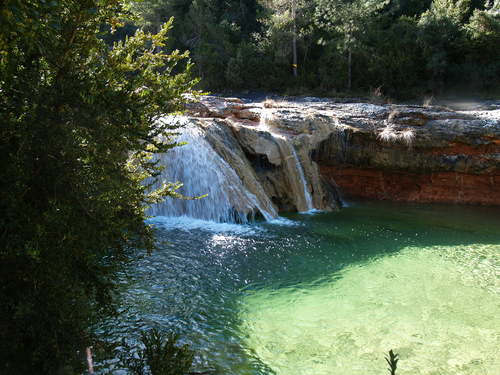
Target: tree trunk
column 349, row 70
column 349, row 59
column 294, row 41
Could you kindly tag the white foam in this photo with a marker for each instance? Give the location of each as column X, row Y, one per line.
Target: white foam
column 312, row 211
column 189, row 224
column 284, row 222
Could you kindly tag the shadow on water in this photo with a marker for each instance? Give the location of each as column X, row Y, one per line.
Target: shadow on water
column 227, row 289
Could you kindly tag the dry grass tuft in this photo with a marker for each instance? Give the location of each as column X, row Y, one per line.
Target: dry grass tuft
column 408, row 135
column 376, row 96
column 393, row 115
column 271, row 103
column 388, row 134
column 428, row 100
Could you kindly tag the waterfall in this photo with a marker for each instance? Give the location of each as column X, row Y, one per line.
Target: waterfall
column 306, row 193
column 203, row 172
column 295, row 174
column 292, row 167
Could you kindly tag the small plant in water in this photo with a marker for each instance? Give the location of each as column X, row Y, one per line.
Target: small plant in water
column 392, row 360
column 160, row 354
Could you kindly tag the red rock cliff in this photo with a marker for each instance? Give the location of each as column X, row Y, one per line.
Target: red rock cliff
column 393, row 152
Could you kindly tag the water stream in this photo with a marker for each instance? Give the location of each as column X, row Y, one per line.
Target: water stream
column 204, row 173
column 303, row 180
column 326, row 293
column 294, row 173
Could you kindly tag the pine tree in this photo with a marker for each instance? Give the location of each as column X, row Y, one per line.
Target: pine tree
column 349, row 20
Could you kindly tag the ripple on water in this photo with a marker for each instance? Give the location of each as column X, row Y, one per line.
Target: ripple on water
column 327, row 293
column 435, row 306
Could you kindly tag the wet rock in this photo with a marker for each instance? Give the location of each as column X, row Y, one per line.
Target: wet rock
column 397, row 152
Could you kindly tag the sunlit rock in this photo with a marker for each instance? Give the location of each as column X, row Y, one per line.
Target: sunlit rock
column 396, row 152
column 300, row 154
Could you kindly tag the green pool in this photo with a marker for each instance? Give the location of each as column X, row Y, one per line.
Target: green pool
column 327, row 293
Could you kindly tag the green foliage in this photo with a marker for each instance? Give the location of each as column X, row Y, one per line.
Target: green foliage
column 405, row 47
column 72, row 204
column 460, row 45
column 20, row 20
column 441, row 33
column 392, row 360
column 479, row 71
column 410, row 8
column 275, row 38
column 160, row 355
column 350, row 21
column 213, row 30
column 239, row 69
column 397, row 63
column 483, row 32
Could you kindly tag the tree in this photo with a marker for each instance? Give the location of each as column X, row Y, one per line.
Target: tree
column 19, row 20
column 396, row 64
column 479, row 70
column 410, row 8
column 483, row 31
column 286, row 27
column 78, row 128
column 442, row 33
column 159, row 353
column 213, row 31
column 350, row 20
column 153, row 14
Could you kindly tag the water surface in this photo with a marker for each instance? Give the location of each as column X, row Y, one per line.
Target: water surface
column 327, row 293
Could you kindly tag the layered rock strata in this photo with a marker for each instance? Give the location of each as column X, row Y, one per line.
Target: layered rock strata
column 394, row 152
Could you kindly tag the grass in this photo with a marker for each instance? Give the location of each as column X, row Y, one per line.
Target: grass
column 376, row 96
column 428, row 100
column 392, row 360
column 407, row 136
column 390, row 134
column 270, row 103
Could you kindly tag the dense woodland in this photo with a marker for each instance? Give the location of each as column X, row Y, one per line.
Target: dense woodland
column 399, row 48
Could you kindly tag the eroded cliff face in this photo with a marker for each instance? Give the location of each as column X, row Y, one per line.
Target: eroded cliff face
column 416, row 154
column 396, row 152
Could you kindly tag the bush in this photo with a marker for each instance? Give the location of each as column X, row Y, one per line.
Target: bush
column 160, row 355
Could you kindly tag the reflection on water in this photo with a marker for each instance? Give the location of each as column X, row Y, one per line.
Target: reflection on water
column 328, row 293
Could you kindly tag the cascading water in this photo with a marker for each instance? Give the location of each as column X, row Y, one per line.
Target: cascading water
column 295, row 174
column 204, row 172
column 307, row 195
column 292, row 167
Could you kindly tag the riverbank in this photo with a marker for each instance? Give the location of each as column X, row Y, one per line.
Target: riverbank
column 402, row 152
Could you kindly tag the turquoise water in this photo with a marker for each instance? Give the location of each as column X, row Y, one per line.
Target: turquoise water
column 327, row 293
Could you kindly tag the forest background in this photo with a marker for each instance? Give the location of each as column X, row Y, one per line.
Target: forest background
column 74, row 104
column 399, row 48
